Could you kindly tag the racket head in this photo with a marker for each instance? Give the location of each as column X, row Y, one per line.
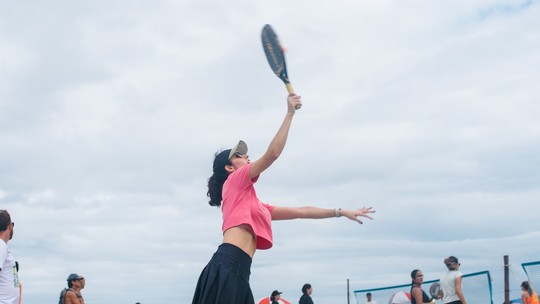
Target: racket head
column 435, row 290
column 274, row 53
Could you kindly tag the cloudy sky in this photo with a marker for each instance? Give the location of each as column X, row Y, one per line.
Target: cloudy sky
column 111, row 111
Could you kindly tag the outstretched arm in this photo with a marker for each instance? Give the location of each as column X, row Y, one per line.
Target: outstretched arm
column 278, row 142
column 289, row 213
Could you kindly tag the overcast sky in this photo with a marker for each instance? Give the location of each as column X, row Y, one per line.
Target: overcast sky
column 111, row 112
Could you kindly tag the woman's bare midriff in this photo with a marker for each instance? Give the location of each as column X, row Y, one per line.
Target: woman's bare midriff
column 242, row 237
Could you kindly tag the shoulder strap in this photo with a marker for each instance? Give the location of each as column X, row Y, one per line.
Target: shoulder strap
column 62, row 298
column 65, row 291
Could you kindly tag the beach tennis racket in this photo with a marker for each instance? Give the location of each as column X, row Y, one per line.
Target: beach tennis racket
column 435, row 290
column 274, row 53
column 275, row 56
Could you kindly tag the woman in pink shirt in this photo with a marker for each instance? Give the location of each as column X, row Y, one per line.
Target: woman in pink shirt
column 247, row 220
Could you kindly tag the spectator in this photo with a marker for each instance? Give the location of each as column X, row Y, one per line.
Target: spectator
column 529, row 296
column 369, row 300
column 274, row 298
column 306, row 294
column 9, row 272
column 451, row 283
column 73, row 294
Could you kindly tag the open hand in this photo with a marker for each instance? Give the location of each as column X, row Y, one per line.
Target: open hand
column 354, row 214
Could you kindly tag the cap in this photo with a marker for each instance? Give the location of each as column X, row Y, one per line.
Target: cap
column 240, row 149
column 451, row 259
column 222, row 159
column 73, row 276
column 275, row 293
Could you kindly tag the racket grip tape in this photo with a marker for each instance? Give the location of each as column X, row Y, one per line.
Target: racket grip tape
column 289, row 87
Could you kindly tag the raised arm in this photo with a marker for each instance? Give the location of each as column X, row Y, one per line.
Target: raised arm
column 278, row 142
column 308, row 212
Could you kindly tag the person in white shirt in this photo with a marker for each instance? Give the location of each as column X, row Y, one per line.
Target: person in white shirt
column 9, row 277
column 369, row 300
column 451, row 283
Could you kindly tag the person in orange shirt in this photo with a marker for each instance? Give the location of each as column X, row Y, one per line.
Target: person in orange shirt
column 529, row 296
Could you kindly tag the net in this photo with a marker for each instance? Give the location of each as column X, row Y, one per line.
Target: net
column 532, row 270
column 476, row 288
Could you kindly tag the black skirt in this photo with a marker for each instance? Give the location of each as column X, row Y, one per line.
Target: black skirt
column 225, row 280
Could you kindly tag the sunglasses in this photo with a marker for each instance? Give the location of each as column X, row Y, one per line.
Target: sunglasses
column 236, row 155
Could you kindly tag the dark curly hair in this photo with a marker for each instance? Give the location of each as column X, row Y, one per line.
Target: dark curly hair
column 216, row 181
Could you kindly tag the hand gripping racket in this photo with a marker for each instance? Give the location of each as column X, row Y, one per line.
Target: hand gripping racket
column 274, row 53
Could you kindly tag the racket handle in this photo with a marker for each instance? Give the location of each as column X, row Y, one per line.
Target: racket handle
column 289, row 87
column 291, row 90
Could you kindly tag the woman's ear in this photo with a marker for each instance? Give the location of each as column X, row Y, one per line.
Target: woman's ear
column 229, row 168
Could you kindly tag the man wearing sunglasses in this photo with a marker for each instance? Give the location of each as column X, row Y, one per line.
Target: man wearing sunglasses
column 73, row 293
column 9, row 278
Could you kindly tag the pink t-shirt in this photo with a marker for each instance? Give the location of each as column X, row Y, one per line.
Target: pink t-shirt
column 240, row 205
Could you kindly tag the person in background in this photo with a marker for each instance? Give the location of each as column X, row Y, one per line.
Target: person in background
column 529, row 296
column 307, row 290
column 275, row 296
column 452, row 292
column 369, row 299
column 418, row 295
column 73, row 294
column 9, row 275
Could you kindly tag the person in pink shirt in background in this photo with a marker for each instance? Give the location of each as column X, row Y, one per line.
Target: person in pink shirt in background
column 247, row 220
